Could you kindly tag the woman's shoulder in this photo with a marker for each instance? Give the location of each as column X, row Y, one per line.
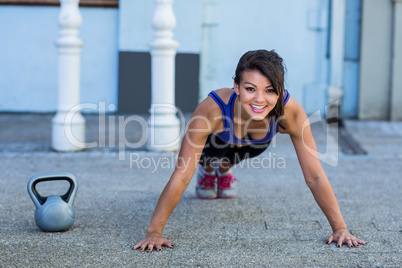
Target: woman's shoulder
column 293, row 107
column 209, row 110
column 209, row 105
column 294, row 114
column 224, row 93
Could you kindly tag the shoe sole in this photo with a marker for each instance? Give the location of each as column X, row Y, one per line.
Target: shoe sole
column 206, row 198
column 227, row 197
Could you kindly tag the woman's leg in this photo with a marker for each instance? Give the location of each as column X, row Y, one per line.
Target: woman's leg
column 224, row 165
column 209, row 168
column 214, row 149
column 226, row 181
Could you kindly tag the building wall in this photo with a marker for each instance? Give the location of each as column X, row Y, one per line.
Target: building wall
column 352, row 59
column 376, row 60
column 396, row 96
column 28, row 57
column 135, row 25
column 115, row 60
column 297, row 30
column 135, row 33
column 292, row 28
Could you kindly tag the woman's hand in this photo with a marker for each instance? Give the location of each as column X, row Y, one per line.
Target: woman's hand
column 151, row 241
column 342, row 236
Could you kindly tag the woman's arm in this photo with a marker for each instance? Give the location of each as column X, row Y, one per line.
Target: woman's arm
column 200, row 126
column 315, row 177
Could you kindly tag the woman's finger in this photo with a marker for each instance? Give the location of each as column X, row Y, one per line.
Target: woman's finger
column 361, row 242
column 167, row 243
column 330, row 239
column 149, row 246
column 340, row 241
column 139, row 244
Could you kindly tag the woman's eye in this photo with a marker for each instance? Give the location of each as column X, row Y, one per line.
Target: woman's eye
column 249, row 88
column 270, row 90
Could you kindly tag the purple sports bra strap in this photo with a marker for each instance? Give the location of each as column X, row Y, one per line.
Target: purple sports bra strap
column 222, row 105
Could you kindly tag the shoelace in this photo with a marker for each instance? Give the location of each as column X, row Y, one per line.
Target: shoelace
column 226, row 181
column 207, row 181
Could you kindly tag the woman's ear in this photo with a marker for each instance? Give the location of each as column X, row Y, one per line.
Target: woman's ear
column 236, row 88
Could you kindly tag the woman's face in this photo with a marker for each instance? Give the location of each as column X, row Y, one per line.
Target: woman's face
column 257, row 96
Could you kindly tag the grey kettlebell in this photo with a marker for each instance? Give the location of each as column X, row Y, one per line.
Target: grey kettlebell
column 54, row 213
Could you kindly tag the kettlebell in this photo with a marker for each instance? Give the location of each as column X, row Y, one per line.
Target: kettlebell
column 54, row 212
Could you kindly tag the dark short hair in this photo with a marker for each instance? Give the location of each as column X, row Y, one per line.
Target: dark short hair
column 270, row 65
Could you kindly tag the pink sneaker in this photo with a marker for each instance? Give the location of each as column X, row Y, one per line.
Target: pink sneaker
column 206, row 186
column 227, row 186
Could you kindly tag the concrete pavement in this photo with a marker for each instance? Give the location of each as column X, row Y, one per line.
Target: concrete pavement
column 274, row 221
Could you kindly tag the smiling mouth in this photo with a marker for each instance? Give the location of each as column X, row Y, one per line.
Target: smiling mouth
column 257, row 108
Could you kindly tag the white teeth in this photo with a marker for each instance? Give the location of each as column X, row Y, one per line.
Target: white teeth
column 258, row 107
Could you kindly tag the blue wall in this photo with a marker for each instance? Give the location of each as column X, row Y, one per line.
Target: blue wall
column 28, row 57
column 297, row 30
column 135, row 25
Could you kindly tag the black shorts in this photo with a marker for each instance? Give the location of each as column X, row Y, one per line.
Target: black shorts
column 216, row 149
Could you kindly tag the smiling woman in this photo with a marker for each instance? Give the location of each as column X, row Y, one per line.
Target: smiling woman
column 83, row 3
column 235, row 124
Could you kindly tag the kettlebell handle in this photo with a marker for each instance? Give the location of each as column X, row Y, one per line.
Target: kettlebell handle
column 39, row 200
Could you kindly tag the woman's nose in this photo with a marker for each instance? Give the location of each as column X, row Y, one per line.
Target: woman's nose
column 258, row 97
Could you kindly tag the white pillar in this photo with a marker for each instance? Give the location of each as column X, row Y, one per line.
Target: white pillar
column 163, row 125
column 209, row 54
column 68, row 125
column 335, row 90
column 396, row 96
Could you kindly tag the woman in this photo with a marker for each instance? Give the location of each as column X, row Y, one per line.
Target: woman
column 231, row 125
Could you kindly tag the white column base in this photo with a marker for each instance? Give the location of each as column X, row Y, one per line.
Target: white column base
column 335, row 95
column 68, row 132
column 163, row 133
